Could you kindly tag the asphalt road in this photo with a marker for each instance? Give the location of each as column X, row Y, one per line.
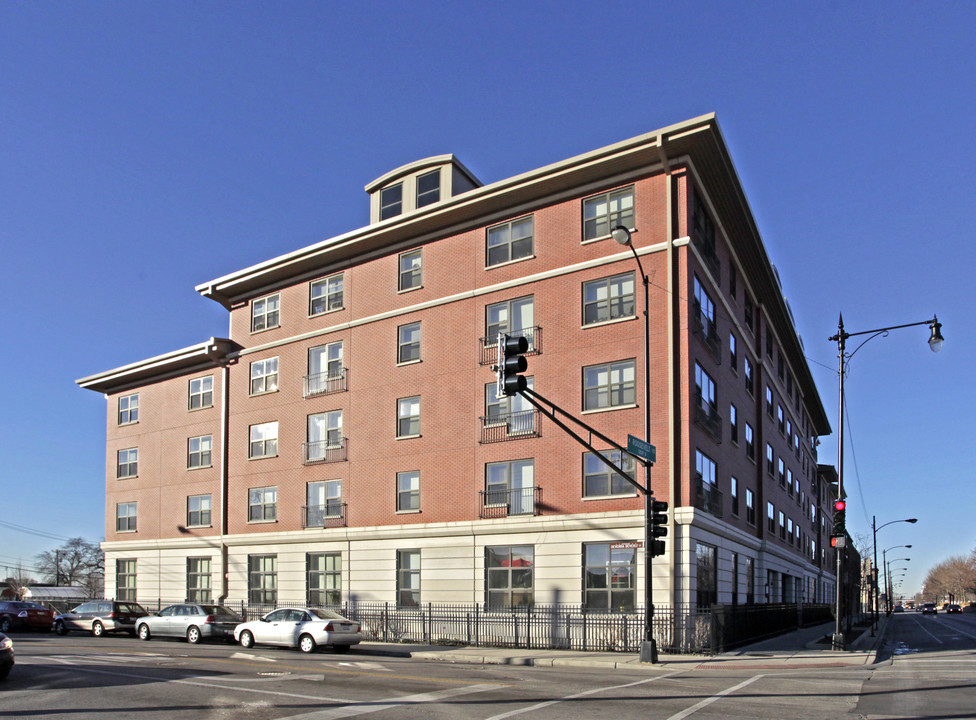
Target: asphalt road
column 927, row 671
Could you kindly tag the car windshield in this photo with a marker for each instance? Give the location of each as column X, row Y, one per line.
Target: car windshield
column 325, row 614
column 132, row 608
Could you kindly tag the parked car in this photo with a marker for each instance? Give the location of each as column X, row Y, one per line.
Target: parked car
column 191, row 621
column 101, row 616
column 952, row 608
column 899, row 608
column 6, row 656
column 929, row 608
column 304, row 628
column 17, row 614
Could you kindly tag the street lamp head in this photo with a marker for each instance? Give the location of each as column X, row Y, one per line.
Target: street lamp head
column 935, row 339
column 912, row 521
column 622, row 235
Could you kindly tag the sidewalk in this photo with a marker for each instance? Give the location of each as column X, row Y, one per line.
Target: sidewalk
column 797, row 649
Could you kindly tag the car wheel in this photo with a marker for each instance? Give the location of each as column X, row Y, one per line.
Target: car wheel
column 98, row 629
column 193, row 635
column 306, row 644
column 342, row 649
column 247, row 639
column 144, row 633
column 59, row 628
column 4, row 624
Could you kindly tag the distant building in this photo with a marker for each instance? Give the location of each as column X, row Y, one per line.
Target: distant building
column 345, row 441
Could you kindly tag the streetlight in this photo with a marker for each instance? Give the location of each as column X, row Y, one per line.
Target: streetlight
column 887, row 567
column 935, row 344
column 874, row 545
column 648, row 652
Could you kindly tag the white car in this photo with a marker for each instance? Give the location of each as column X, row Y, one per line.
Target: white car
column 304, row 628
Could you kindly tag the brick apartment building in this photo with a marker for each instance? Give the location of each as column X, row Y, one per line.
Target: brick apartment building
column 345, row 442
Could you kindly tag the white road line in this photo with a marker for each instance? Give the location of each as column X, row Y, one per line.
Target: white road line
column 371, row 706
column 708, row 701
column 927, row 630
column 577, row 695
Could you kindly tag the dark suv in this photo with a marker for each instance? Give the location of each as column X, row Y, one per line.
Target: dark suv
column 101, row 616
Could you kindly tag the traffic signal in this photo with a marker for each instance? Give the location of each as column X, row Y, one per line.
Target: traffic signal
column 511, row 362
column 659, row 526
column 840, row 523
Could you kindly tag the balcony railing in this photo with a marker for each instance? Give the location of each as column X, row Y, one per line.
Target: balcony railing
column 707, row 497
column 704, row 327
column 488, row 354
column 504, row 502
column 330, row 515
column 324, row 451
column 509, row 426
column 324, row 383
column 706, row 415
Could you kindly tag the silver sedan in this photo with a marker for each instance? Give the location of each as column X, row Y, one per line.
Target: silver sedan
column 304, row 628
column 191, row 621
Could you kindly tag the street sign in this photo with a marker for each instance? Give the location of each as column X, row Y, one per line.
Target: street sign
column 638, row 447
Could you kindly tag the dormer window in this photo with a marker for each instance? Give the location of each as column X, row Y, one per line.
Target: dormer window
column 418, row 186
column 391, row 201
column 428, row 188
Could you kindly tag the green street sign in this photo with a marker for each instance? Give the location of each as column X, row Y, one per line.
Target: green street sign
column 642, row 449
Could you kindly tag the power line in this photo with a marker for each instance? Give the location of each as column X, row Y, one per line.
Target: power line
column 31, row 531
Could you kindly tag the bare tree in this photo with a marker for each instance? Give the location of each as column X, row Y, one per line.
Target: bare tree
column 20, row 582
column 77, row 562
column 954, row 576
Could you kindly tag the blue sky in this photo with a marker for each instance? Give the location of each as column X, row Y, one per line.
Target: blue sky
column 148, row 147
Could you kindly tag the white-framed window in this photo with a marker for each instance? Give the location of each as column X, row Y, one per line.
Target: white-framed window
column 608, row 299
column 128, row 463
column 263, row 440
column 428, row 188
column 408, row 578
column 408, row 343
column 411, row 270
column 129, row 409
column 199, row 451
column 510, row 577
column 325, row 295
column 609, row 385
column 323, row 500
column 610, row 576
column 324, row 434
column 201, row 393
column 600, row 480
column 511, row 241
column 408, row 491
column 408, row 417
column 125, row 580
column 602, row 213
column 264, row 376
column 198, row 511
column 391, row 201
column 262, row 504
column 513, row 411
column 325, row 371
column 262, row 579
column 198, row 580
column 265, row 313
column 511, row 483
column 324, row 578
column 125, row 517
column 511, row 317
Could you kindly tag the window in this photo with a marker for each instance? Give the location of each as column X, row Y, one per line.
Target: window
column 750, row 580
column 428, row 188
column 733, row 283
column 609, row 571
column 600, row 480
column 262, row 504
column 704, row 311
column 324, row 434
column 325, row 372
column 769, row 342
column 782, row 473
column 770, row 467
column 198, row 580
column 770, row 518
column 734, row 494
column 408, row 578
column 201, row 393
column 705, row 390
column 264, row 440
column 705, row 467
column 325, row 295
column 408, row 417
column 610, row 385
column 734, row 423
column 125, row 517
column 608, row 299
column 324, row 500
column 780, row 418
column 750, row 507
column 264, row 376
column 510, row 577
column 510, row 241
column 782, row 525
column 604, row 212
column 198, row 453
column 408, row 491
column 789, row 530
column 750, row 443
column 511, row 483
column 747, row 372
column 264, row 313
column 262, row 579
column 391, row 201
column 780, row 365
column 707, row 585
column 125, row 580
column 747, row 314
column 513, row 317
column 128, row 463
column 769, row 401
column 324, row 578
column 733, row 353
column 129, row 409
column 410, row 270
column 408, row 343
column 198, row 511
column 514, row 413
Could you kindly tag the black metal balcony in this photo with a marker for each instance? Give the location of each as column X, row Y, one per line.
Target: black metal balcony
column 324, row 383
column 504, row 502
column 509, row 426
column 707, row 497
column 324, row 451
column 488, row 354
column 707, row 417
column 704, row 327
column 330, row 515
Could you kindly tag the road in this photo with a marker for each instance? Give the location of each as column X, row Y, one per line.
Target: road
column 928, row 670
